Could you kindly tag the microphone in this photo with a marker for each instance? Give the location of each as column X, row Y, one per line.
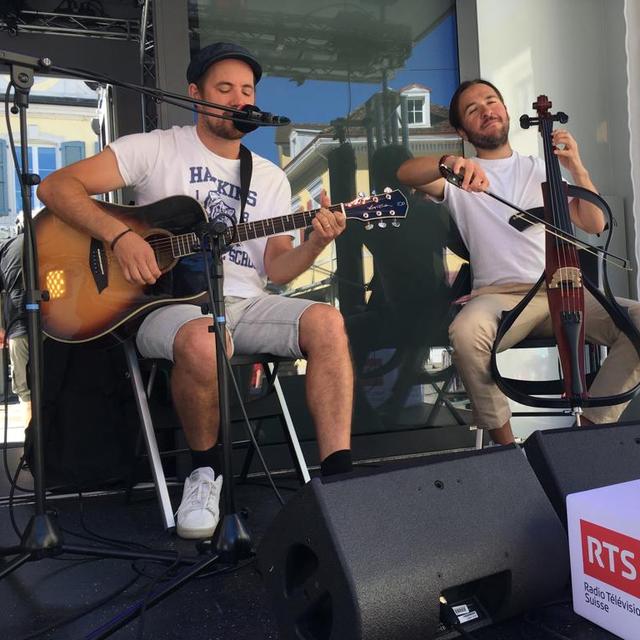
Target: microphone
column 253, row 117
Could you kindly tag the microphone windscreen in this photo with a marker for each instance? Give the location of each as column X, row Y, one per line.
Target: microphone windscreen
column 244, row 123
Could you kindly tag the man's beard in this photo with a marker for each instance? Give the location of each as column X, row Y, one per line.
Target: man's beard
column 490, row 141
column 222, row 128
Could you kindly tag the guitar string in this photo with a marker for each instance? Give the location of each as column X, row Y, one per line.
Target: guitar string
column 260, row 227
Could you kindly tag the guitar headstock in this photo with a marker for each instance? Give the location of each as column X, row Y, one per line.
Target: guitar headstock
column 378, row 208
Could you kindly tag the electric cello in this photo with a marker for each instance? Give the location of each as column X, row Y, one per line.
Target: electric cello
column 564, row 279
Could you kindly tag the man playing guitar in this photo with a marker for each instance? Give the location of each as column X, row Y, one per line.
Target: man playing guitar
column 202, row 161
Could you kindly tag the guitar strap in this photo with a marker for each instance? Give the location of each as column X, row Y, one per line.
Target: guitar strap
column 246, row 168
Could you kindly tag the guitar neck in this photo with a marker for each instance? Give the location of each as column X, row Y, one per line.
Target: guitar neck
column 183, row 245
column 271, row 226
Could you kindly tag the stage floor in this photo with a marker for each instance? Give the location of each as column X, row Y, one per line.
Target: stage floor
column 229, row 606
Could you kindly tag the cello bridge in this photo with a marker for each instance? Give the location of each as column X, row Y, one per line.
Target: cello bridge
column 566, row 276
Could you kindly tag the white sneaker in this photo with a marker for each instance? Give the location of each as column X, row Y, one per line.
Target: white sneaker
column 199, row 511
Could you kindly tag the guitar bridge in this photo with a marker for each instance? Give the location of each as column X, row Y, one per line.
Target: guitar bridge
column 98, row 264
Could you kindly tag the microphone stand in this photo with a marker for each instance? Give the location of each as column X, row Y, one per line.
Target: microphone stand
column 42, row 537
column 231, row 539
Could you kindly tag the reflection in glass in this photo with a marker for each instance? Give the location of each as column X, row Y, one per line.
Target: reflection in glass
column 365, row 84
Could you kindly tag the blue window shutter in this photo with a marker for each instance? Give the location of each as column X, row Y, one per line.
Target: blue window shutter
column 46, row 161
column 4, row 195
column 72, row 152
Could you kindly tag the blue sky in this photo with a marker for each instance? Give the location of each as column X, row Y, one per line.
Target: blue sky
column 433, row 62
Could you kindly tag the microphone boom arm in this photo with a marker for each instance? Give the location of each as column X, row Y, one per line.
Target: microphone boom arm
column 251, row 116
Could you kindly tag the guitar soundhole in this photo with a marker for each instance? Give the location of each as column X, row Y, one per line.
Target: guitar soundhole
column 160, row 241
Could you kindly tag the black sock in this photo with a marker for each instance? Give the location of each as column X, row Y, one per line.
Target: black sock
column 208, row 458
column 337, row 462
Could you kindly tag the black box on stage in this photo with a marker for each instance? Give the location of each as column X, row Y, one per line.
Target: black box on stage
column 368, row 557
column 578, row 459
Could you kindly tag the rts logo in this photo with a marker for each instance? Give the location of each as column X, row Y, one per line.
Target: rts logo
column 611, row 557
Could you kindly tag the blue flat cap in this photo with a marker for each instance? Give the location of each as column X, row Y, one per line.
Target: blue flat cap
column 220, row 51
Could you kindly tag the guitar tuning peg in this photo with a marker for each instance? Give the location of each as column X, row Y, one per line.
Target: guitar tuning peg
column 382, row 224
column 374, row 192
column 368, row 226
column 388, row 189
column 361, row 194
column 395, row 223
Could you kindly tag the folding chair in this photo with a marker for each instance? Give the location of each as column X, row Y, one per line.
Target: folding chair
column 256, row 410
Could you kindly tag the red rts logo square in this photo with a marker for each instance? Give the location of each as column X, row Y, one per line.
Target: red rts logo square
column 611, row 557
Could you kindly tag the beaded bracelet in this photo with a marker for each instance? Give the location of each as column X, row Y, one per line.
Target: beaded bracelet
column 115, row 240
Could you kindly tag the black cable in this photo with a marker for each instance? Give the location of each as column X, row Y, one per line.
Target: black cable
column 125, row 616
column 132, row 546
column 143, row 573
column 247, row 424
column 11, row 495
column 76, row 616
column 12, row 144
column 229, row 569
column 149, row 593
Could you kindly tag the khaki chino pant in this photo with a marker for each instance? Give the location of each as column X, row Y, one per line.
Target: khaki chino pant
column 473, row 331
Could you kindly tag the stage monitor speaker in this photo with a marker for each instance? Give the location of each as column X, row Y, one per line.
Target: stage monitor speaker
column 368, row 557
column 577, row 459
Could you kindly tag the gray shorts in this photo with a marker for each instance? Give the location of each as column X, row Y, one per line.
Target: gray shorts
column 266, row 324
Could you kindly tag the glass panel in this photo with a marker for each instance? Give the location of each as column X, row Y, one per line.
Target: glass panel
column 366, row 85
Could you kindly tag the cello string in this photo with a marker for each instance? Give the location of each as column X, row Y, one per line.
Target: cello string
column 552, row 192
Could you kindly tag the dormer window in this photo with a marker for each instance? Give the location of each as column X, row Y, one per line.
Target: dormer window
column 418, row 99
column 415, row 111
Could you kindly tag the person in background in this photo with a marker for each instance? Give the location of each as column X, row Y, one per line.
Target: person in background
column 15, row 327
column 507, row 262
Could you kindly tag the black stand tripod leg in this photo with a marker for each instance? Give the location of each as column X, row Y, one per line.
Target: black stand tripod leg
column 126, row 616
column 18, row 561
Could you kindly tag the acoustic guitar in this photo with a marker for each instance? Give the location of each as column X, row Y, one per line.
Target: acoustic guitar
column 87, row 295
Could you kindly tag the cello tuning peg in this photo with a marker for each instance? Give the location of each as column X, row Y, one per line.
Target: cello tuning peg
column 368, row 226
column 395, row 223
column 382, row 224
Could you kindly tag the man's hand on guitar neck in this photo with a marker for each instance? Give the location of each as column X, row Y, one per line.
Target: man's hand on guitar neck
column 327, row 225
column 137, row 259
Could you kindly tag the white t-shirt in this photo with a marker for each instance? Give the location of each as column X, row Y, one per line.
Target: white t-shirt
column 161, row 163
column 499, row 253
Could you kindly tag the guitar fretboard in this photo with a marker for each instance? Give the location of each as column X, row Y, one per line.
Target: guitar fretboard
column 186, row 244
